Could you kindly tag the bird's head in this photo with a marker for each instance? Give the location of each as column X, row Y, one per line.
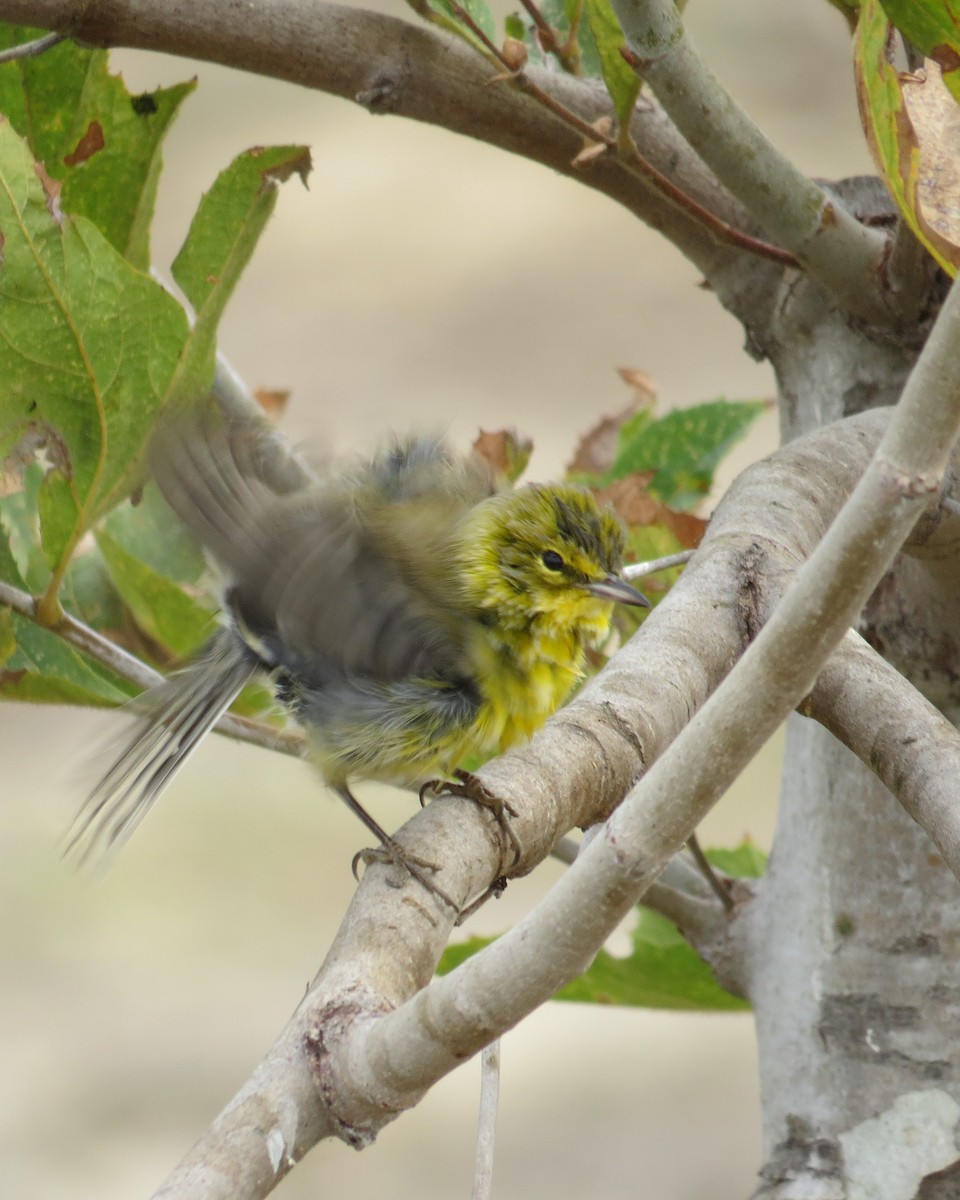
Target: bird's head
column 548, row 554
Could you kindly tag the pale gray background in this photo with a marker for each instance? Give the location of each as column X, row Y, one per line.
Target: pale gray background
column 423, row 279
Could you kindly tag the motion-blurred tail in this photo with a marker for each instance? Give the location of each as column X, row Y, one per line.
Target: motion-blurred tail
column 176, row 716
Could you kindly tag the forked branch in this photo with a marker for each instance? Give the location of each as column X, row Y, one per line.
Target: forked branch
column 365, row 1043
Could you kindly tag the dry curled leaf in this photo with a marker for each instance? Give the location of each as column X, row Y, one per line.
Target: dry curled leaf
column 505, row 450
column 641, row 384
column 90, row 144
column 636, row 507
column 273, row 402
column 597, row 448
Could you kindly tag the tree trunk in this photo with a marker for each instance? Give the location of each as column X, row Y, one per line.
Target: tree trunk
column 853, row 964
column 852, row 942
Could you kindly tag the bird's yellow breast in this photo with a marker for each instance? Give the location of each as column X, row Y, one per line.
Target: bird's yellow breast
column 524, row 677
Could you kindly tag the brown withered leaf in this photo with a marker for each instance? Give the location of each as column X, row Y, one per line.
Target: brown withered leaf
column 272, row 401
column 641, row 384
column 630, row 499
column 635, row 506
column 597, row 448
column 505, row 450
column 687, row 528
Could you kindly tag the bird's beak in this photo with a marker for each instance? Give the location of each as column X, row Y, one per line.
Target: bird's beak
column 617, row 589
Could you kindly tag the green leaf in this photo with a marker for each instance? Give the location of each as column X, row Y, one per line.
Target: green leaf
column 746, row 861
column 88, row 594
column 88, row 347
column 157, row 570
column 933, row 26
column 102, row 143
column 58, row 516
column 222, row 237
column 162, row 610
column 478, row 11
column 683, row 448
column 622, row 82
column 662, row 971
column 45, row 670
column 514, row 27
column 895, row 143
column 23, row 563
column 560, row 15
column 459, row 952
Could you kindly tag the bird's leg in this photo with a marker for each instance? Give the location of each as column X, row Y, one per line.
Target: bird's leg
column 391, row 851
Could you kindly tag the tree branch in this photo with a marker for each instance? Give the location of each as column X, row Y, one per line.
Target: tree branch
column 32, row 49
column 846, row 257
column 911, row 747
column 392, row 66
column 347, row 1064
column 117, row 660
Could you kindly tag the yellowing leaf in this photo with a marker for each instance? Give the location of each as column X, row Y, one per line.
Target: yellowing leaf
column 907, row 154
column 935, row 117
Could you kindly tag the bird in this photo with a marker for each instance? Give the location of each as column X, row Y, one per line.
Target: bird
column 409, row 613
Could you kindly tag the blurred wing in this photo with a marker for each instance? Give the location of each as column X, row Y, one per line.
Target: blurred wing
column 331, row 579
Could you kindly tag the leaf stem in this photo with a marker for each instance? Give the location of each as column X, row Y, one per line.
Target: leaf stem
column 843, row 255
column 627, row 153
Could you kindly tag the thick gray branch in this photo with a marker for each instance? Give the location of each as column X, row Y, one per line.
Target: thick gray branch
column 393, row 66
column 884, row 720
column 847, row 258
column 344, row 1067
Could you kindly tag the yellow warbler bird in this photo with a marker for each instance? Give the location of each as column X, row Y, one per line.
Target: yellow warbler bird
column 408, row 614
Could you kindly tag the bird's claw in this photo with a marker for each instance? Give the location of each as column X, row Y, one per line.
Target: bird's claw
column 471, row 787
column 419, row 868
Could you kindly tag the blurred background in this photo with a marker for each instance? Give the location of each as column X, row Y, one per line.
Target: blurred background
column 422, row 280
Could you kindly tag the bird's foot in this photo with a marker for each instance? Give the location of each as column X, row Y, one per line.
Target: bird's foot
column 471, row 787
column 390, row 851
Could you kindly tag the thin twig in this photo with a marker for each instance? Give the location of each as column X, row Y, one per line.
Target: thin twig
column 626, row 151
column 544, row 28
column 32, row 49
column 843, row 255
column 706, row 868
column 632, row 158
column 126, row 666
column 636, row 570
column 487, row 1121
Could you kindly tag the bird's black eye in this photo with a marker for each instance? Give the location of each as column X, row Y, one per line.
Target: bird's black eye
column 552, row 560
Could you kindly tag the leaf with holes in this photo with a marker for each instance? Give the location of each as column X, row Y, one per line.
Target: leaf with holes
column 88, row 347
column 100, row 142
